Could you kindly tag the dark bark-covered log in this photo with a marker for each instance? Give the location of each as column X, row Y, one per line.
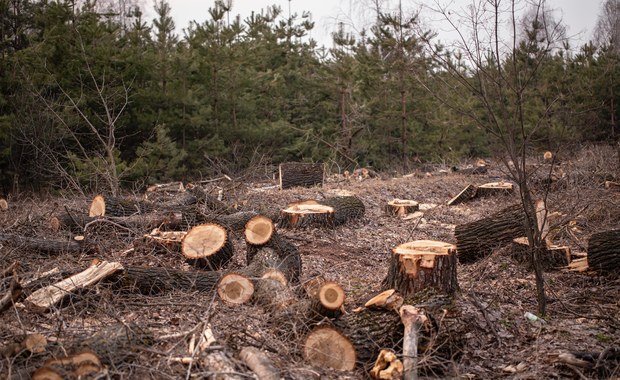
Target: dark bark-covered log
column 120, row 206
column 494, row 188
column 295, row 174
column 552, row 257
column 325, row 347
column 43, row 299
column 469, row 192
column 280, row 255
column 604, row 251
column 477, row 239
column 421, row 265
column 48, row 246
column 237, row 221
column 117, row 343
column 273, row 294
column 154, row 280
column 345, row 208
column 207, row 246
column 401, row 207
column 370, row 331
column 77, row 221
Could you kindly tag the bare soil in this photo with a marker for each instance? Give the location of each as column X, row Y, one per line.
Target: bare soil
column 489, row 336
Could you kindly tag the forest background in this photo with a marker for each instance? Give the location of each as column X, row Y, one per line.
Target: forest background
column 93, row 97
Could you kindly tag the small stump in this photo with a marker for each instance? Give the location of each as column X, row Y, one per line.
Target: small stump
column 307, row 215
column 422, row 264
column 552, row 257
column 207, row 246
column 494, row 188
column 401, row 207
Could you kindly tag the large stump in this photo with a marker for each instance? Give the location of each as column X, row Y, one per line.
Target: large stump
column 207, row 246
column 422, row 264
column 401, row 207
column 293, row 174
column 604, row 251
column 494, row 188
column 477, row 239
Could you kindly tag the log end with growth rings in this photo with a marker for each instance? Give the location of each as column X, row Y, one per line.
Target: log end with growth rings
column 203, row 241
column 325, row 347
column 331, row 295
column 258, row 230
column 235, row 289
column 97, row 206
column 419, row 254
column 3, row 204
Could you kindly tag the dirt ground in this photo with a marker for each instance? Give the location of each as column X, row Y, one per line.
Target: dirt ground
column 488, row 335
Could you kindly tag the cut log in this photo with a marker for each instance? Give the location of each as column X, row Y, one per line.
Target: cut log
column 345, row 208
column 401, row 207
column 117, row 206
column 604, row 251
column 235, row 288
column 168, row 219
column 207, row 246
column 166, row 187
column 259, row 363
column 46, row 246
column 420, row 265
column 494, row 188
column 294, row 174
column 279, row 255
column 259, row 230
column 153, row 280
column 237, row 221
column 307, row 215
column 273, row 295
column 45, row 298
column 370, row 331
column 329, row 300
column 386, row 300
column 325, row 347
column 478, row 239
column 4, row 205
column 469, row 192
column 387, row 367
column 412, row 320
column 552, row 257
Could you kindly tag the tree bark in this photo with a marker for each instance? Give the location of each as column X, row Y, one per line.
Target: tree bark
column 604, row 251
column 48, row 246
column 551, row 257
column 207, row 246
column 294, row 174
column 469, row 192
column 477, row 239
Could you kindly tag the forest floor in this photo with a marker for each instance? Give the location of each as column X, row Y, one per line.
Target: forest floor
column 493, row 340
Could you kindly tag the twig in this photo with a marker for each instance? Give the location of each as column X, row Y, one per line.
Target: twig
column 110, row 222
column 10, row 269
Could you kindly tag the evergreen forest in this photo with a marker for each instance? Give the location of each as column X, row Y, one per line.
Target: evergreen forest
column 96, row 98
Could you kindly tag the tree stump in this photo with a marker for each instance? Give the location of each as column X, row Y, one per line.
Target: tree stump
column 604, row 251
column 401, row 207
column 307, row 215
column 325, row 347
column 469, row 192
column 552, row 257
column 293, row 174
column 477, row 239
column 422, row 264
column 207, row 246
column 494, row 188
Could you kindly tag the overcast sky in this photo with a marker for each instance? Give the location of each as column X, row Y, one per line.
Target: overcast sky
column 579, row 15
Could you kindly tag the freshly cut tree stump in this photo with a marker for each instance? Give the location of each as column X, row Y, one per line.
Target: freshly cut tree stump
column 422, row 264
column 494, row 188
column 325, row 347
column 235, row 288
column 295, row 174
column 477, row 239
column 45, row 298
column 3, row 204
column 604, row 251
column 307, row 215
column 553, row 257
column 469, row 192
column 207, row 246
column 401, row 207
